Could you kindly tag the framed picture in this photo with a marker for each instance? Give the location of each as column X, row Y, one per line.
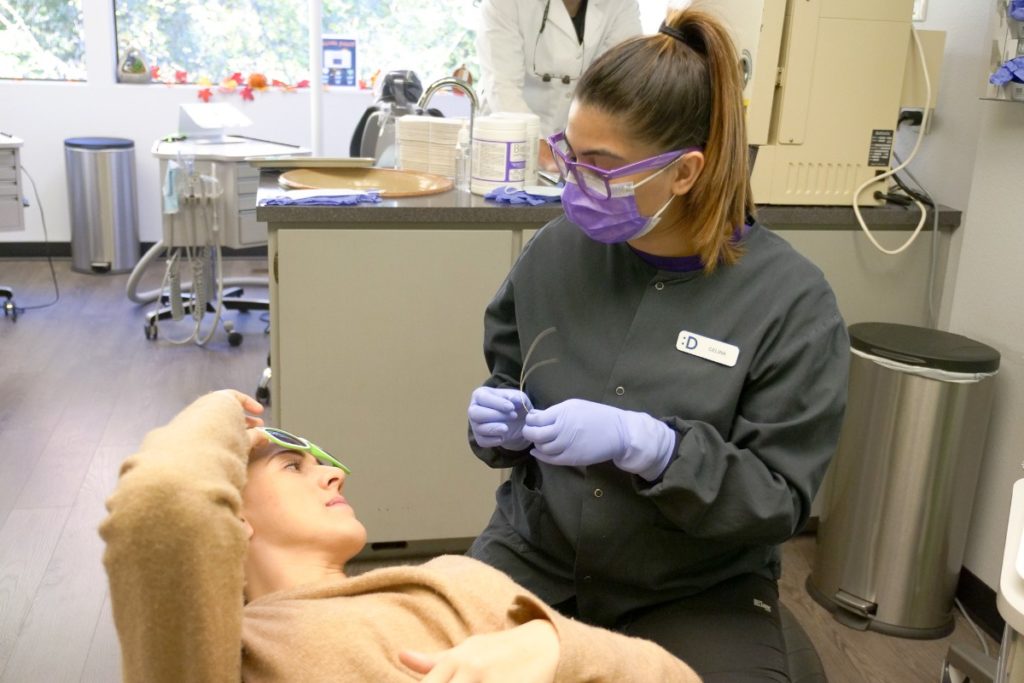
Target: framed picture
column 339, row 59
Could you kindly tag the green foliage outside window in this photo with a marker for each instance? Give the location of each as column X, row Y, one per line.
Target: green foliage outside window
column 214, row 38
column 42, row 39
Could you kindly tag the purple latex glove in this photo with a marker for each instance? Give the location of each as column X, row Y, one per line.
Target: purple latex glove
column 580, row 433
column 497, row 416
column 1011, row 70
column 1016, row 9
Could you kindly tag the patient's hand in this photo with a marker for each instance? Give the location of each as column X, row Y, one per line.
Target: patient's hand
column 525, row 654
column 249, row 405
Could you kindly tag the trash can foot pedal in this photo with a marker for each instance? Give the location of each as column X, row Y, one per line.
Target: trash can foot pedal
column 859, row 606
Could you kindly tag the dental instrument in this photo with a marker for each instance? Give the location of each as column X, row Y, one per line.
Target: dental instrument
column 524, row 373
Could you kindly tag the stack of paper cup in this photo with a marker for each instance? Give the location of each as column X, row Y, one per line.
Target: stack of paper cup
column 427, row 143
column 500, row 149
column 414, row 142
column 444, row 135
column 532, row 137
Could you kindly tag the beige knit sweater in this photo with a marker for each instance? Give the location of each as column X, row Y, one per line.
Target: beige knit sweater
column 174, row 556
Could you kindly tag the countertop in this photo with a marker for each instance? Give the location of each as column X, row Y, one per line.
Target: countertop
column 9, row 141
column 235, row 148
column 461, row 209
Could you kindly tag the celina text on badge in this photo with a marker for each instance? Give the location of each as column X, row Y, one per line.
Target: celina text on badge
column 707, row 348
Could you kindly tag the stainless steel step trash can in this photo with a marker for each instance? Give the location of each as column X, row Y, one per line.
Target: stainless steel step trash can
column 892, row 532
column 102, row 203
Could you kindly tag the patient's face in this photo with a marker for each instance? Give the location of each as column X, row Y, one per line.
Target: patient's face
column 292, row 501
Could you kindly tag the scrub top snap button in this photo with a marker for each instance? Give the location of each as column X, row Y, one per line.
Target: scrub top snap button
column 598, row 493
column 620, row 390
column 659, row 286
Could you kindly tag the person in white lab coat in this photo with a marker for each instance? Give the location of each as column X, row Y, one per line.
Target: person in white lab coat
column 532, row 52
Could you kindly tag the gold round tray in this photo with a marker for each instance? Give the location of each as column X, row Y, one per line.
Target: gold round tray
column 389, row 182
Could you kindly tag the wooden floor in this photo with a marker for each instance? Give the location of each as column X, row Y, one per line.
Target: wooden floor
column 80, row 385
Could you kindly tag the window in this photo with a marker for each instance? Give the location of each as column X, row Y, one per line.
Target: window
column 211, row 39
column 42, row 39
column 431, row 37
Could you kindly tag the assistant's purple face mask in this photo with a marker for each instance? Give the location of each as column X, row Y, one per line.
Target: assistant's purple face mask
column 607, row 212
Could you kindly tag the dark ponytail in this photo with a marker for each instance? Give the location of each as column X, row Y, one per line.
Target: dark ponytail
column 682, row 88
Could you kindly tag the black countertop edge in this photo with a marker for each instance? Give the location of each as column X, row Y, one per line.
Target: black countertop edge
column 880, row 217
column 453, row 208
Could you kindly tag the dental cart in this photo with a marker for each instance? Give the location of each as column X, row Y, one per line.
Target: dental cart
column 208, row 204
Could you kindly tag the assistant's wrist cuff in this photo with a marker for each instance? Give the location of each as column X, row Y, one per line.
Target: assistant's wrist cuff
column 651, row 445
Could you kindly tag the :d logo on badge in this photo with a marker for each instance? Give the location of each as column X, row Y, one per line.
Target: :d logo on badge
column 707, row 348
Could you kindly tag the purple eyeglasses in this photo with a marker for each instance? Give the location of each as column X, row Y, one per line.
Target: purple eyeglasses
column 594, row 181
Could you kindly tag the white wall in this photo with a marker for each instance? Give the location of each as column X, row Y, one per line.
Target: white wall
column 946, row 160
column 945, row 163
column 44, row 114
column 988, row 306
column 973, row 160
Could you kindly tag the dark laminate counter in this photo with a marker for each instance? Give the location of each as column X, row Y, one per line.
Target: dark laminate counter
column 461, row 209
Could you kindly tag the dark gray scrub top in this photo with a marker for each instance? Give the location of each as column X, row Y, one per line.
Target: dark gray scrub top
column 753, row 440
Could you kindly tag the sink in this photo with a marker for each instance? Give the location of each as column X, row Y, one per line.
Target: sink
column 388, row 181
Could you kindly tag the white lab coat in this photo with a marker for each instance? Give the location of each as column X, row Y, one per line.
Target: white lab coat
column 505, row 44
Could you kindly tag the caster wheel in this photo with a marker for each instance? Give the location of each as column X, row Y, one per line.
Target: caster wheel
column 235, row 338
column 12, row 310
column 952, row 675
column 263, row 395
column 150, row 331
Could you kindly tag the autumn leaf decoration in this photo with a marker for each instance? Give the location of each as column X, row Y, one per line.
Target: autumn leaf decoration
column 245, row 86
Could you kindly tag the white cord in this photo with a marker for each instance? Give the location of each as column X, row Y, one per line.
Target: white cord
column 212, row 192
column 917, row 146
column 190, row 256
column 171, row 262
column 46, row 239
column 131, row 290
column 209, row 192
column 977, row 631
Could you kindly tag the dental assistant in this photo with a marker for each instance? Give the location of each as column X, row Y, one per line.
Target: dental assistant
column 533, row 52
column 701, row 370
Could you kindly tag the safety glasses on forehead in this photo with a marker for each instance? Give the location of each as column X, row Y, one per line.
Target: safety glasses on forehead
column 297, row 443
column 594, row 181
column 546, row 76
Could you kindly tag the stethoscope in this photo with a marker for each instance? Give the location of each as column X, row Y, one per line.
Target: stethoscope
column 548, row 77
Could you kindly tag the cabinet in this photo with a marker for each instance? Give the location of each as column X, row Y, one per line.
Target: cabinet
column 376, row 345
column 12, row 216
column 239, row 182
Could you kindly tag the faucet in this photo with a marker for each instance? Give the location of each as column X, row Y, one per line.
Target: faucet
column 458, row 84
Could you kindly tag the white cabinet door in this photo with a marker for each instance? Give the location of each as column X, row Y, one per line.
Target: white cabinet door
column 378, row 345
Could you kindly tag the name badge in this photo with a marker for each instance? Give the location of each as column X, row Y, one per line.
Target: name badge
column 708, row 349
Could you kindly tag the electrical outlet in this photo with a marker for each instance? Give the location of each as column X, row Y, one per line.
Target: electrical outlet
column 920, row 10
column 914, row 116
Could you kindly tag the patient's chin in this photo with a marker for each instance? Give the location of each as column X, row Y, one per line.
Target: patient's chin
column 351, row 542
